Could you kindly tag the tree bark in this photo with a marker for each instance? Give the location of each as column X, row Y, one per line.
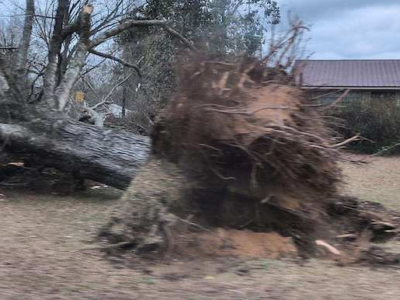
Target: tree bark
column 23, row 48
column 107, row 156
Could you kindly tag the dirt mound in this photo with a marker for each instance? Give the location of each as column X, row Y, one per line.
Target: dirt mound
column 240, row 147
column 236, row 243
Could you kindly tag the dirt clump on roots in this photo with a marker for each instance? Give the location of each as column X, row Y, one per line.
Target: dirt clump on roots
column 239, row 156
column 236, row 243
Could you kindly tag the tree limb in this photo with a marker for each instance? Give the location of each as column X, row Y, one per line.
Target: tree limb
column 181, row 37
column 122, row 27
column 132, row 23
column 116, row 12
column 111, row 92
column 73, row 27
column 122, row 62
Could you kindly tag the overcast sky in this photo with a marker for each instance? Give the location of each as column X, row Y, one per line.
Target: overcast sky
column 349, row 29
column 340, row 29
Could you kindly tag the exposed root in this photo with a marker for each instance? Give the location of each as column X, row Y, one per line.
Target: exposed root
column 240, row 148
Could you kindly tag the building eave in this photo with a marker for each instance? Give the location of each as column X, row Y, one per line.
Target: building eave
column 383, row 88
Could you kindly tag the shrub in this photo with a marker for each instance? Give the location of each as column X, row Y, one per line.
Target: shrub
column 376, row 120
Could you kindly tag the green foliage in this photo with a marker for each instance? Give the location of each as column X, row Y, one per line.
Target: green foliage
column 377, row 120
column 155, row 52
column 217, row 27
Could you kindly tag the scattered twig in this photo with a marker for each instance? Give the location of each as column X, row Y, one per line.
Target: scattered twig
column 385, row 150
column 193, row 224
column 112, row 246
column 330, row 248
column 348, row 141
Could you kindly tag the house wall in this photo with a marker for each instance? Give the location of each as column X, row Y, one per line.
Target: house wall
column 367, row 97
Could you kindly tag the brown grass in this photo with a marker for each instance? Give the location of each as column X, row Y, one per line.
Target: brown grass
column 378, row 180
column 42, row 235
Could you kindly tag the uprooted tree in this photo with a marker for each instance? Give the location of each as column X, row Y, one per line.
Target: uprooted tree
column 241, row 147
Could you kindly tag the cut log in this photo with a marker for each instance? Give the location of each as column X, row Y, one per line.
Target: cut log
column 107, row 156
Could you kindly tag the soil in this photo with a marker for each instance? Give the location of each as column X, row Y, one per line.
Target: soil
column 236, row 243
column 45, row 253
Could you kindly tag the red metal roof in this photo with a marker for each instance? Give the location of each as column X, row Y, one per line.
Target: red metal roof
column 349, row 73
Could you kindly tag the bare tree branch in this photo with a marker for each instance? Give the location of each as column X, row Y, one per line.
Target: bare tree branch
column 105, row 100
column 91, row 68
column 181, row 37
column 44, row 17
column 235, row 8
column 111, row 15
column 122, row 62
column 283, row 46
column 69, row 29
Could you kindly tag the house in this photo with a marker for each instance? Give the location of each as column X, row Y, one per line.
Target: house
column 367, row 80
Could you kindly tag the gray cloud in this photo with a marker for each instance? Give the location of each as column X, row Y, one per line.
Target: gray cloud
column 350, row 28
column 316, row 9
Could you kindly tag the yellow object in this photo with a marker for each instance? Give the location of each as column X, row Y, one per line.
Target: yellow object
column 79, row 96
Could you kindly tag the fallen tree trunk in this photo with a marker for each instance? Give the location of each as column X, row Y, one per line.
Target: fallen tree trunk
column 107, row 156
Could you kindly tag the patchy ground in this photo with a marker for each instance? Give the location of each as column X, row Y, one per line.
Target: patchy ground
column 376, row 180
column 41, row 256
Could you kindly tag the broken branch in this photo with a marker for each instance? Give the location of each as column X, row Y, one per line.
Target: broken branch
column 122, row 62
